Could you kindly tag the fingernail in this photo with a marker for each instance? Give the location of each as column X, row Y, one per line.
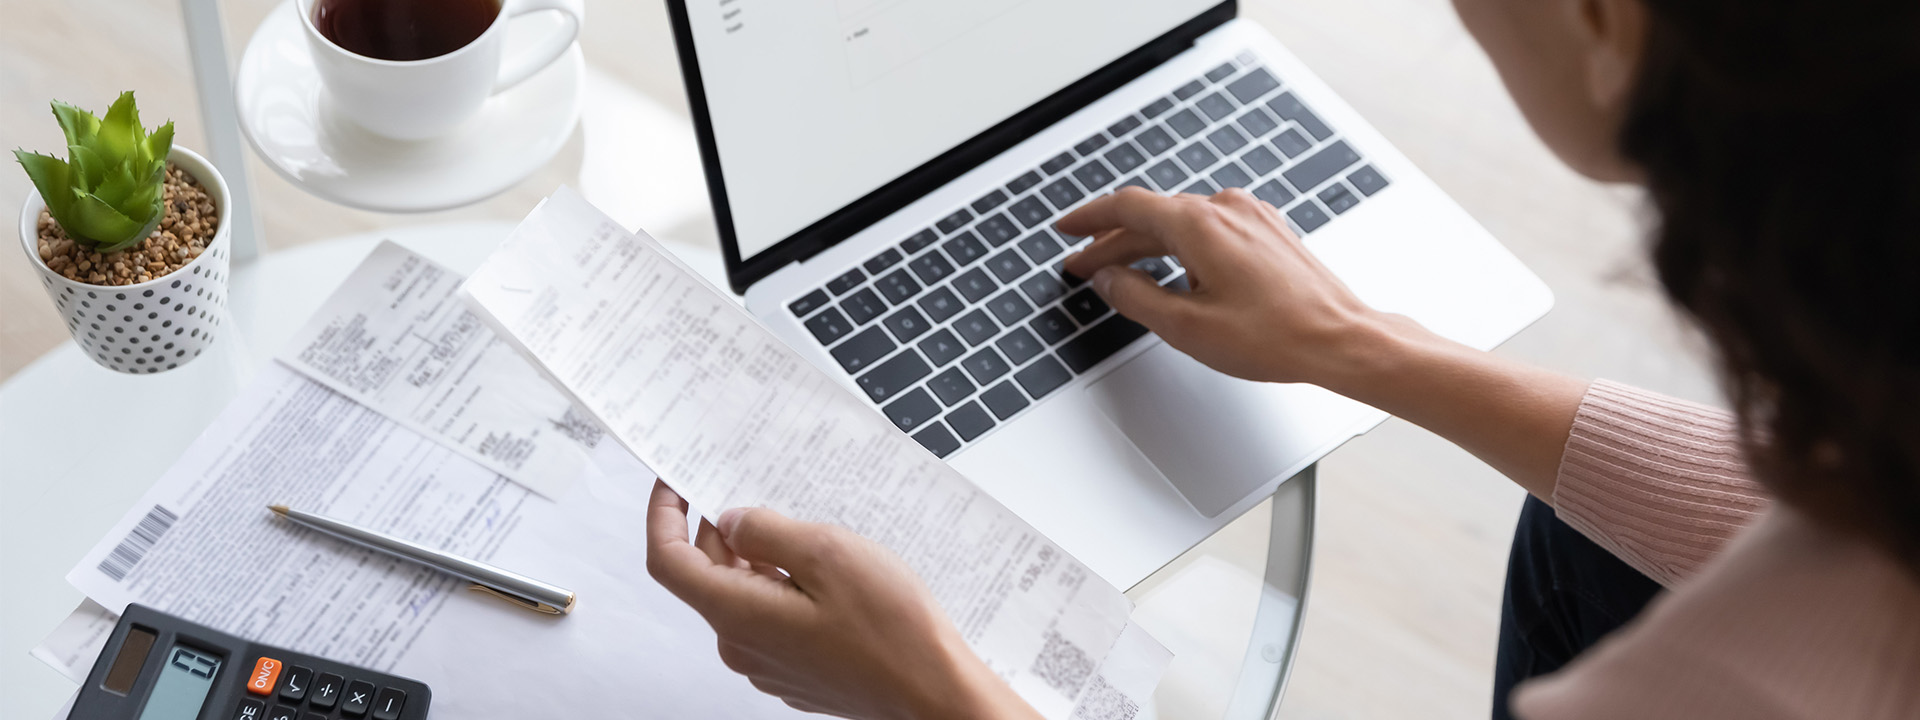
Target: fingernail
column 729, row 519
column 1102, row 279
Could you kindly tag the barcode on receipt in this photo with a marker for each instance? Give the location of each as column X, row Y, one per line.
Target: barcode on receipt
column 128, row 553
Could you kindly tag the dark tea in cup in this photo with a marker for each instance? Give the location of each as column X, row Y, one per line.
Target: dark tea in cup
column 403, row 29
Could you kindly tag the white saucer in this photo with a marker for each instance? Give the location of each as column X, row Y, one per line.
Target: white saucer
column 284, row 115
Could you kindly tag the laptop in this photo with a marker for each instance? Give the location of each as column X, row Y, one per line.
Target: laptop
column 886, row 174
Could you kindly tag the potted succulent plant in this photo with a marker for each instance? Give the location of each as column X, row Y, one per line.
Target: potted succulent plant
column 129, row 236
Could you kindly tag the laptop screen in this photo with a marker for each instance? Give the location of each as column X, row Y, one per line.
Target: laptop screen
column 816, row 103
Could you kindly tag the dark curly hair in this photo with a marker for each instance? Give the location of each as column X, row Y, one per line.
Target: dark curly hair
column 1780, row 140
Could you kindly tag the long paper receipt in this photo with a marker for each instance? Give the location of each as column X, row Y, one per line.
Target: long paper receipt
column 729, row 416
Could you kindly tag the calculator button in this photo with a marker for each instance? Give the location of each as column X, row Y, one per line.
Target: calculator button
column 359, row 695
column 251, row 709
column 298, row 680
column 284, row 712
column 313, row 716
column 387, row 704
column 266, row 672
column 326, row 691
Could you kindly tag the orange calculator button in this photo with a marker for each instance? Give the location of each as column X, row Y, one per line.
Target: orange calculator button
column 265, row 674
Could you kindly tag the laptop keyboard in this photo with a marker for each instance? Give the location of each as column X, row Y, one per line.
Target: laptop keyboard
column 963, row 325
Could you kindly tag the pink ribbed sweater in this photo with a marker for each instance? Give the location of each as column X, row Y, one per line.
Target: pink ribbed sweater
column 1766, row 615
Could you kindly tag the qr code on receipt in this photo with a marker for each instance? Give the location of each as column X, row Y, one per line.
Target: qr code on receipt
column 1105, row 702
column 1062, row 664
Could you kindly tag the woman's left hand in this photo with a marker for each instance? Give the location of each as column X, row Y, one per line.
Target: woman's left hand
column 847, row 629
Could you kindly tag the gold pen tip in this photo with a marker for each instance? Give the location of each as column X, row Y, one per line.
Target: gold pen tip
column 278, row 509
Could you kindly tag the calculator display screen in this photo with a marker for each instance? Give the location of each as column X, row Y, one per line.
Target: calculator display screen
column 185, row 679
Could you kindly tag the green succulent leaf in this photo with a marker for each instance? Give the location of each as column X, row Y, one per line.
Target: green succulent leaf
column 75, row 122
column 51, row 177
column 118, row 186
column 108, row 228
column 158, row 146
column 119, row 131
column 110, row 191
column 89, row 170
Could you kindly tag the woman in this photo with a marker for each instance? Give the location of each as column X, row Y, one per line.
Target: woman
column 1778, row 142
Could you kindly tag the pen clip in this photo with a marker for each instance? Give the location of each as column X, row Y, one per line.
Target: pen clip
column 522, row 602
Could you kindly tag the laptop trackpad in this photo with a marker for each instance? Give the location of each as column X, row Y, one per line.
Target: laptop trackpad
column 1210, row 434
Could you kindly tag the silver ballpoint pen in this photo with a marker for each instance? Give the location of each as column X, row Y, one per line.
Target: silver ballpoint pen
column 513, row 587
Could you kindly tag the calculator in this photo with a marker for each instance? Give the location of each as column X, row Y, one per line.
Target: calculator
column 161, row 667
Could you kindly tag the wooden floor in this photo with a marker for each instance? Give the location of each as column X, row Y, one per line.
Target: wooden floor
column 1413, row 532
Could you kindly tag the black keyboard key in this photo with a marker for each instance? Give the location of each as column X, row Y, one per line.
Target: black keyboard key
column 1338, row 198
column 1201, row 187
column 1167, row 174
column 808, row 303
column 940, row 304
column 997, row 230
column 1086, row 306
column 1021, row 184
column 1019, row 345
column 1257, row 123
column 897, row 286
column 1004, row 400
column 841, row 285
column 1052, row 326
column 1030, row 211
column 1043, row 289
column 1262, row 160
column 1090, row 144
column 1093, row 175
column 883, row 261
column 1186, row 123
column 1009, row 308
column 931, row 267
column 283, row 712
column 942, row 347
column 1153, row 266
column 829, row 326
column 951, row 386
column 249, row 709
column 950, row 223
column 863, row 306
column 1227, row 140
column 294, row 688
column 1126, row 125
column 970, row 421
column 985, row 365
column 1253, row 85
column 965, row 248
column 1367, row 180
column 974, row 285
column 1007, row 265
column 975, row 327
column 1274, row 193
column 1100, row 342
column 1309, row 173
column 1188, row 90
column 1196, row 157
column 1216, row 107
column 1220, row 73
column 1231, row 175
column 1179, row 283
column 357, row 698
column 989, row 201
column 1290, row 107
column 1062, row 193
column 919, row 241
column 912, row 410
column 388, row 703
column 326, row 691
column 894, row 376
column 1059, row 162
column 1071, row 280
column 906, row 324
column 1125, row 157
column 1156, row 140
column 1043, row 376
column 1155, row 108
column 937, row 440
column 1040, row 247
column 861, row 350
column 1308, row 216
column 1291, row 143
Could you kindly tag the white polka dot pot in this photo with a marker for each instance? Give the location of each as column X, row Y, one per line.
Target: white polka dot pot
column 154, row 326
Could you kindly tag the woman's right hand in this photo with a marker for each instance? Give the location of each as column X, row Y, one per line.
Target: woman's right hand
column 1261, row 306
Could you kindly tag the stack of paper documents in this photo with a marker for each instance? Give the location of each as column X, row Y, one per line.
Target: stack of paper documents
column 399, row 409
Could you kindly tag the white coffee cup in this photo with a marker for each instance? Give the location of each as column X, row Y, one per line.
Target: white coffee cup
column 419, row 99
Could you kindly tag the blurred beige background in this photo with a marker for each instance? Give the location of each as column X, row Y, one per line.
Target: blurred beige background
column 1412, row 532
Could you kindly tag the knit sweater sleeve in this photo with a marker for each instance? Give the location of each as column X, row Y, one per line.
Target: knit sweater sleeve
column 1659, row 482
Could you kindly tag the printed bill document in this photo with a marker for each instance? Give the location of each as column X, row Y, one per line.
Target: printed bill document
column 729, row 416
